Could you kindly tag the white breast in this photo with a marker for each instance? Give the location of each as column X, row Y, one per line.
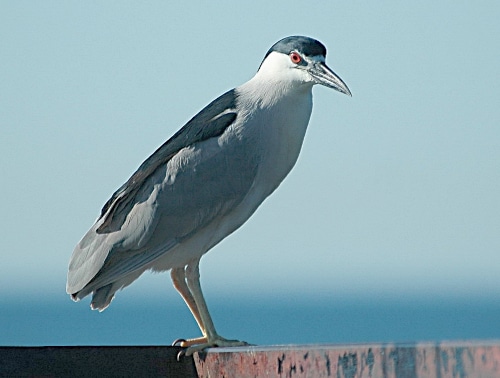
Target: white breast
column 277, row 128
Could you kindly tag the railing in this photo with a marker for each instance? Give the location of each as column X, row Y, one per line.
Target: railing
column 447, row 359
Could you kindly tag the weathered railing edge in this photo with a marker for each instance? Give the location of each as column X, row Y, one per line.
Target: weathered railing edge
column 470, row 358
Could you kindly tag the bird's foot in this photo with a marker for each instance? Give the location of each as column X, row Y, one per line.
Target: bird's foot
column 201, row 343
column 217, row 342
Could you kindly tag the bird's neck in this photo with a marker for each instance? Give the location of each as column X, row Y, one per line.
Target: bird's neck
column 266, row 91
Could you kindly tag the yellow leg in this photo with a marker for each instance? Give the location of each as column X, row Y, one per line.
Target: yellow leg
column 179, row 280
column 187, row 282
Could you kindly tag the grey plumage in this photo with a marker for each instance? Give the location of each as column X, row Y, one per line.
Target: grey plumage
column 204, row 183
column 208, row 123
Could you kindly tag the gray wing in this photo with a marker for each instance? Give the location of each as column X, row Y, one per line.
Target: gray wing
column 124, row 238
column 209, row 123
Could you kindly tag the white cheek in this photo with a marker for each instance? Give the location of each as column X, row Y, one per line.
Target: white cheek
column 274, row 64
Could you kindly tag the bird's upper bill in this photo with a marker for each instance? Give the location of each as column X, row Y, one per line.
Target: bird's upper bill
column 323, row 75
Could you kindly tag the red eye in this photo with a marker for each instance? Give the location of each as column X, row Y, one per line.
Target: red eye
column 295, row 57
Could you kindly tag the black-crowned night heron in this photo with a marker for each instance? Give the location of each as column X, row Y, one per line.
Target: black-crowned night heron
column 204, row 183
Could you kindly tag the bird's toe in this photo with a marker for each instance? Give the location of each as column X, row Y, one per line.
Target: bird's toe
column 215, row 342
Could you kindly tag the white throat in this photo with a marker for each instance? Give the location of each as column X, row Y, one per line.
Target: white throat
column 277, row 79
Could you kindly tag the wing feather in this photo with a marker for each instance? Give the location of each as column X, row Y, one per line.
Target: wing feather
column 176, row 190
column 209, row 123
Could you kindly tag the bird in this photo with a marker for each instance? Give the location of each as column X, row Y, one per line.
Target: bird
column 204, row 183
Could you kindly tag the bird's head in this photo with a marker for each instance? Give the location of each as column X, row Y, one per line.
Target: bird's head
column 300, row 60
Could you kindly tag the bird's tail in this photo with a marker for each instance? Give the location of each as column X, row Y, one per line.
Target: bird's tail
column 87, row 259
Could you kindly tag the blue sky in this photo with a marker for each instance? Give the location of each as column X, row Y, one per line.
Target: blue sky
column 396, row 191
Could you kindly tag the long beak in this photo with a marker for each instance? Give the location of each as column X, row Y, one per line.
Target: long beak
column 325, row 76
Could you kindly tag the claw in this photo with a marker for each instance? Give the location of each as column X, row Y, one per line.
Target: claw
column 178, row 342
column 181, row 354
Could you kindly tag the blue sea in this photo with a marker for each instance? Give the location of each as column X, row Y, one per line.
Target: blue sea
column 286, row 319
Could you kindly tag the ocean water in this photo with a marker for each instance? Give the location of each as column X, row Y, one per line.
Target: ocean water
column 280, row 320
